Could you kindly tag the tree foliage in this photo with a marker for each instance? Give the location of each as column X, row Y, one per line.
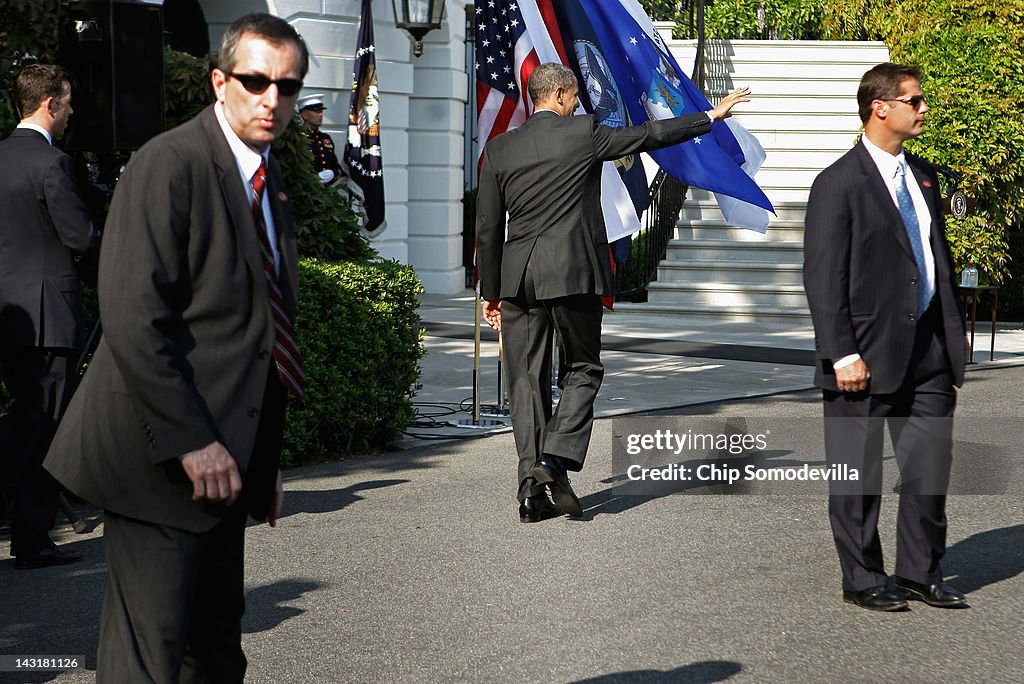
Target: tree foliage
column 28, row 30
column 970, row 52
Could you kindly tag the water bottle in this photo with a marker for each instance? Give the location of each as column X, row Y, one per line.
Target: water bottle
column 969, row 276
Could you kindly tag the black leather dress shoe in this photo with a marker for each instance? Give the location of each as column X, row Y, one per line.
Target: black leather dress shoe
column 49, row 555
column 536, row 508
column 550, row 472
column 877, row 598
column 940, row 595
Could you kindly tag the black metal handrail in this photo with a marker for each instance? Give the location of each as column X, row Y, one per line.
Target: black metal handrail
column 650, row 245
column 667, row 194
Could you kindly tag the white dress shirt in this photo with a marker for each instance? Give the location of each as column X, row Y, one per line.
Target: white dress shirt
column 249, row 161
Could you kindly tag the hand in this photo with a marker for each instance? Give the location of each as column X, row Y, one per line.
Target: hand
column 853, row 378
column 326, row 176
column 214, row 474
column 967, row 346
column 724, row 108
column 275, row 507
column 492, row 313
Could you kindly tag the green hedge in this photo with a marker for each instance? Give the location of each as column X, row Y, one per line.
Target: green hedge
column 359, row 332
column 744, row 19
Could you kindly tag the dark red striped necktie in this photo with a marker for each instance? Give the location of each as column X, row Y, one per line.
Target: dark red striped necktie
column 286, row 351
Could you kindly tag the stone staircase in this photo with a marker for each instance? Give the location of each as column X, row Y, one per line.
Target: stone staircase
column 804, row 112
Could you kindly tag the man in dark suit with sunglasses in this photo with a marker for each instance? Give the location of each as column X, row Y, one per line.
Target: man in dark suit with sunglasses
column 889, row 338
column 176, row 429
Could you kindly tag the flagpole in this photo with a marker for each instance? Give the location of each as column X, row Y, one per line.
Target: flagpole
column 476, row 421
column 476, row 362
column 500, row 409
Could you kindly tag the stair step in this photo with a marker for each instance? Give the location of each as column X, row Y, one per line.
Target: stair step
column 740, row 69
column 760, row 120
column 736, row 274
column 727, row 251
column 699, row 315
column 782, row 139
column 780, row 84
column 809, row 158
column 700, row 204
column 728, row 295
column 699, row 231
column 808, row 52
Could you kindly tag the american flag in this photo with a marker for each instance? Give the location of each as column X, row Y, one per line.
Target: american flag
column 505, row 58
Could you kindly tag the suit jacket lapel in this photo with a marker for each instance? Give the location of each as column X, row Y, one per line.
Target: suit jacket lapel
column 236, row 197
column 929, row 197
column 879, row 193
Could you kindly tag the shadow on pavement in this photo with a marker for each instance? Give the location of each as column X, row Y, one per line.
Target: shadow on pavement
column 986, row 558
column 264, row 606
column 703, row 672
column 329, row 500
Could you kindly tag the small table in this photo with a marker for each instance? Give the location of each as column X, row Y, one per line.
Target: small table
column 971, row 294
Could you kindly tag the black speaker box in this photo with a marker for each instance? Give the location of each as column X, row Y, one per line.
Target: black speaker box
column 114, row 50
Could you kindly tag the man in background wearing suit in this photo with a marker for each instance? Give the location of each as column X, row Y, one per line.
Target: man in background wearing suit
column 43, row 226
column 176, row 429
column 552, row 268
column 889, row 335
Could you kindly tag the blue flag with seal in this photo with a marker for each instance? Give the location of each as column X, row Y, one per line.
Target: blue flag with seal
column 652, row 86
column 601, row 97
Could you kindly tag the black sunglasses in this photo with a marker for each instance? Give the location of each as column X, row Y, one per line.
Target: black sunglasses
column 258, row 83
column 914, row 101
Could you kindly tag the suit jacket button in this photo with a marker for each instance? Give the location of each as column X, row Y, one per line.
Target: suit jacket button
column 264, row 354
column 913, row 281
column 252, row 412
column 912, row 317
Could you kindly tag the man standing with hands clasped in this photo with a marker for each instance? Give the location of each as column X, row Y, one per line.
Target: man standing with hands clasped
column 176, row 428
column 551, row 269
column 890, row 344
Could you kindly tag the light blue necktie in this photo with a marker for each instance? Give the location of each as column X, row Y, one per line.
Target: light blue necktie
column 925, row 290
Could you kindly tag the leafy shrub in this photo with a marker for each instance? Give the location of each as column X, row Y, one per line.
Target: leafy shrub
column 774, row 19
column 358, row 329
column 28, row 28
column 743, row 19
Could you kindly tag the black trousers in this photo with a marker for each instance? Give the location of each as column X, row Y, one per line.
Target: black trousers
column 919, row 417
column 37, row 379
column 174, row 599
column 527, row 325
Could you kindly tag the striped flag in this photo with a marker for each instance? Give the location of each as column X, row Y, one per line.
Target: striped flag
column 505, row 58
column 513, row 37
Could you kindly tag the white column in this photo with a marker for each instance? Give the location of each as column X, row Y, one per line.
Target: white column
column 437, row 137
